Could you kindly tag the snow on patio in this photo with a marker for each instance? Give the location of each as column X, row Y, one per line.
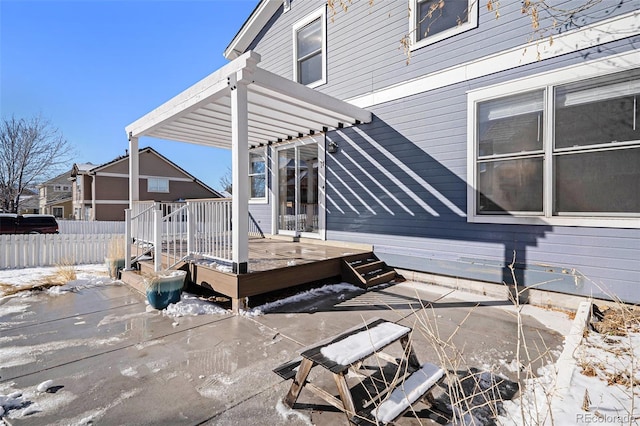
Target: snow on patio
column 604, row 389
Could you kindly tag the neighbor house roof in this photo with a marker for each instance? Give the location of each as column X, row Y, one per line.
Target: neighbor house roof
column 79, row 168
column 121, row 158
column 61, row 177
column 64, row 198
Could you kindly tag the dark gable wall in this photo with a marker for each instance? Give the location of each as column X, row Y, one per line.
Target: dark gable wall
column 406, row 179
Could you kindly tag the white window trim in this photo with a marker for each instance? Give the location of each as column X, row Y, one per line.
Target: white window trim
column 322, row 14
column 472, row 22
column 265, row 199
column 539, row 81
column 157, row 178
column 53, row 208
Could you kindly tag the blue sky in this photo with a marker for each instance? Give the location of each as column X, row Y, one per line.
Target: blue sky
column 93, row 67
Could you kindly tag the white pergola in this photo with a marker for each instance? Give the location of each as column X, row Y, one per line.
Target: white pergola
column 238, row 107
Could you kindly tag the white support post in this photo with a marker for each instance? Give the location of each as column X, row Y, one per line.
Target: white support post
column 127, row 239
column 157, row 240
column 240, row 167
column 134, row 171
column 191, row 228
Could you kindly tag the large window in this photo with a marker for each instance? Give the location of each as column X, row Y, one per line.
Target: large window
column 435, row 20
column 157, row 185
column 257, row 175
column 309, row 38
column 567, row 151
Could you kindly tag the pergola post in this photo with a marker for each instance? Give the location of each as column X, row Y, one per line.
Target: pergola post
column 134, row 195
column 134, row 171
column 240, row 171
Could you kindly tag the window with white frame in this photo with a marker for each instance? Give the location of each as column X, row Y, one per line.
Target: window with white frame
column 257, row 175
column 568, row 151
column 310, row 47
column 157, row 184
column 435, row 20
column 58, row 211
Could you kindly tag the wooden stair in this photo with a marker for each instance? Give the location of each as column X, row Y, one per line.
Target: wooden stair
column 366, row 270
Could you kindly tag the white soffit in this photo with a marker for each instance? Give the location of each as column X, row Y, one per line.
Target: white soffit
column 279, row 109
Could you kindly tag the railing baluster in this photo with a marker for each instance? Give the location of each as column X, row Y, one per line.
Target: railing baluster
column 195, row 227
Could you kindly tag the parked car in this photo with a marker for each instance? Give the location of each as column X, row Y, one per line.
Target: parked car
column 28, row 224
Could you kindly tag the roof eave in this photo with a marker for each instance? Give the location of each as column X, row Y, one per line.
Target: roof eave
column 251, row 28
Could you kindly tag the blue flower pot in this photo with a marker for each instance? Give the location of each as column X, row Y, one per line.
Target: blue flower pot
column 164, row 288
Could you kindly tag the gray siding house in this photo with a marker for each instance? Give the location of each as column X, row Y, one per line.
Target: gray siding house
column 488, row 143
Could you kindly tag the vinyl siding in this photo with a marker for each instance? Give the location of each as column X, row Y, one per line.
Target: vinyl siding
column 400, row 182
column 364, row 51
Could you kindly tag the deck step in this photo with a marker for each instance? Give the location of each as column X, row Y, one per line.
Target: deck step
column 366, row 270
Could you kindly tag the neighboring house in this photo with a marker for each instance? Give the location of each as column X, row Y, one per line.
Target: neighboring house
column 101, row 192
column 484, row 150
column 55, row 196
column 29, row 202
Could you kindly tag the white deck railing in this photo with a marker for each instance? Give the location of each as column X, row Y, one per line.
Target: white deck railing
column 178, row 230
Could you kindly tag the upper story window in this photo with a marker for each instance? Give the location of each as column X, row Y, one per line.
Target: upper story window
column 435, row 20
column 157, row 185
column 565, row 153
column 310, row 47
column 257, row 175
column 61, row 188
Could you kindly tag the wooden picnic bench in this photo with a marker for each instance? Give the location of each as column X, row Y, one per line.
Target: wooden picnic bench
column 346, row 352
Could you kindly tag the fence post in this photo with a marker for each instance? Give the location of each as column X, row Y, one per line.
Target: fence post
column 157, row 240
column 127, row 239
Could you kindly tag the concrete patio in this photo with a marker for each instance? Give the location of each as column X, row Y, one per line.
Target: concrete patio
column 114, row 362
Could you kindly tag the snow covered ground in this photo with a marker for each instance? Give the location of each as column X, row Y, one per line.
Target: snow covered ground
column 604, row 388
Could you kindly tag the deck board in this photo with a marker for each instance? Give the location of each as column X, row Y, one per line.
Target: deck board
column 276, row 264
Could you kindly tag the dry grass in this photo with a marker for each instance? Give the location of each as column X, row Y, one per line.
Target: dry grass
column 65, row 272
column 116, row 247
column 611, row 328
column 618, row 321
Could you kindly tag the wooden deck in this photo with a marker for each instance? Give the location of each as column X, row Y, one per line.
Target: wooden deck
column 274, row 264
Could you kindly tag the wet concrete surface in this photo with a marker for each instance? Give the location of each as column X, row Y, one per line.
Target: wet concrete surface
column 114, row 362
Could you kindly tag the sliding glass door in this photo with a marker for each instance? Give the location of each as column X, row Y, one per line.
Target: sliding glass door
column 298, row 175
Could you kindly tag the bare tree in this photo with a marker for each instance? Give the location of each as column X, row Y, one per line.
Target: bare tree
column 226, row 181
column 31, row 150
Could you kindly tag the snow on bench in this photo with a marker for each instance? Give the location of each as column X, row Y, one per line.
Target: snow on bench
column 360, row 345
column 406, row 393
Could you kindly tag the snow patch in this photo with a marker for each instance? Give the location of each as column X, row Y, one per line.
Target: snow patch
column 44, row 386
column 359, row 345
column 128, row 372
column 190, row 305
column 13, row 356
column 303, row 296
column 286, row 413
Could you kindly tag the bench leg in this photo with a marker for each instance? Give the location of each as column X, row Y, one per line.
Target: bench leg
column 412, row 359
column 298, row 382
column 345, row 395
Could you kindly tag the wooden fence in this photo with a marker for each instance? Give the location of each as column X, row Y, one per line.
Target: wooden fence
column 33, row 250
column 90, row 227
